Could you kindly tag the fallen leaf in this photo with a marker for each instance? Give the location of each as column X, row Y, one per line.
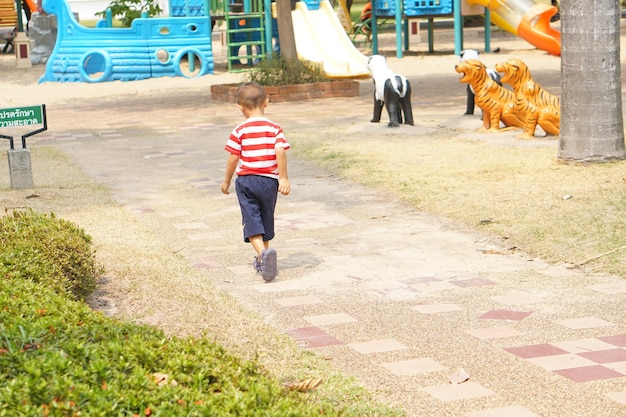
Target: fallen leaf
column 508, row 251
column 163, row 379
column 459, row 376
column 304, row 385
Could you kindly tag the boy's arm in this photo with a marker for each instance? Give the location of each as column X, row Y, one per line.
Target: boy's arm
column 283, row 176
column 231, row 165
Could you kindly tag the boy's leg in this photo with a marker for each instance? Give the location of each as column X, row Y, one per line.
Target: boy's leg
column 266, row 262
column 258, row 244
column 257, row 198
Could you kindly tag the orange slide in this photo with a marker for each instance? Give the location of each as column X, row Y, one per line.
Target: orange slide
column 32, row 5
column 526, row 19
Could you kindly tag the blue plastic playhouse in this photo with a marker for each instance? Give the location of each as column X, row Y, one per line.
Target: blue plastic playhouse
column 179, row 45
column 151, row 47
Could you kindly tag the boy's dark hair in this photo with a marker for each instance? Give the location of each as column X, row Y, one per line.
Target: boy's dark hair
column 251, row 95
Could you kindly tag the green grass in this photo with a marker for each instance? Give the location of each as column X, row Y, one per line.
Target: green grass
column 523, row 192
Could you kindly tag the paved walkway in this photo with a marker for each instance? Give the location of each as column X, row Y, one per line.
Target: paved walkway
column 398, row 299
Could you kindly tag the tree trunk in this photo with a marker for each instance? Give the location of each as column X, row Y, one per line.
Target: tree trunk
column 591, row 102
column 286, row 37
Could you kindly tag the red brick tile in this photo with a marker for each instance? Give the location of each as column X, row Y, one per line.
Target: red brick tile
column 588, row 373
column 420, row 280
column 605, row 356
column 312, row 337
column 506, row 315
column 619, row 340
column 535, row 351
column 474, row 282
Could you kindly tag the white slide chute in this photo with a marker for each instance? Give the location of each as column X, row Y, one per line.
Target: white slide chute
column 320, row 38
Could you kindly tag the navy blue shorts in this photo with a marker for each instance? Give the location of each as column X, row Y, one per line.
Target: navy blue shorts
column 257, row 197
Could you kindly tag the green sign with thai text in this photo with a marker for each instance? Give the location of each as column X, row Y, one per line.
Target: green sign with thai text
column 21, row 116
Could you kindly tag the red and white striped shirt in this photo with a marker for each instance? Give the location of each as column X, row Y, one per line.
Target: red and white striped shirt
column 255, row 142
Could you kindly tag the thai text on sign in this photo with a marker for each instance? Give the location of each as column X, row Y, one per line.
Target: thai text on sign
column 21, row 116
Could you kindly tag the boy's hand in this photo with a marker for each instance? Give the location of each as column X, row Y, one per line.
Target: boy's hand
column 231, row 165
column 283, row 186
column 225, row 187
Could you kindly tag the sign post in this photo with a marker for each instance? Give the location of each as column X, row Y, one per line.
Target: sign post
column 20, row 169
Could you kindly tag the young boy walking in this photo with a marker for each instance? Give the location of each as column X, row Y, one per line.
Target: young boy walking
column 257, row 154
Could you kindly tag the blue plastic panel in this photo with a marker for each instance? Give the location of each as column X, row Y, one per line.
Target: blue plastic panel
column 414, row 8
column 427, row 7
column 312, row 4
column 181, row 8
column 385, row 7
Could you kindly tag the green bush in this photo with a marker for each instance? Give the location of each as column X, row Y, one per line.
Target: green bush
column 60, row 358
column 129, row 10
column 46, row 249
column 280, row 71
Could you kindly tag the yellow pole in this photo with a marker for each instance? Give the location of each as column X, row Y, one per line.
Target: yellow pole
column 344, row 16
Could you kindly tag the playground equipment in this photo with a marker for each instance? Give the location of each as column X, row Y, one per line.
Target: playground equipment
column 151, row 47
column 251, row 31
column 252, row 34
column 524, row 18
column 9, row 16
column 181, row 44
column 401, row 11
column 320, row 37
column 9, row 23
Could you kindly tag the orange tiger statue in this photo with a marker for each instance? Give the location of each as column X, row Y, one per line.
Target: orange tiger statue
column 496, row 102
column 540, row 107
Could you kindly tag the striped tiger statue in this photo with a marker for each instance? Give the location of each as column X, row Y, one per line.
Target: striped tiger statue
column 496, row 102
column 541, row 108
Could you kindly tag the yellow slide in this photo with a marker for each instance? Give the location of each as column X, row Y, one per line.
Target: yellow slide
column 320, row 37
column 526, row 19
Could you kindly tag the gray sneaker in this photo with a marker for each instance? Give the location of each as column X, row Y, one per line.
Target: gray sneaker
column 269, row 267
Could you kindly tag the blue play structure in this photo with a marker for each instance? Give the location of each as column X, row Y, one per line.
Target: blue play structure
column 150, row 48
column 181, row 45
column 401, row 11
